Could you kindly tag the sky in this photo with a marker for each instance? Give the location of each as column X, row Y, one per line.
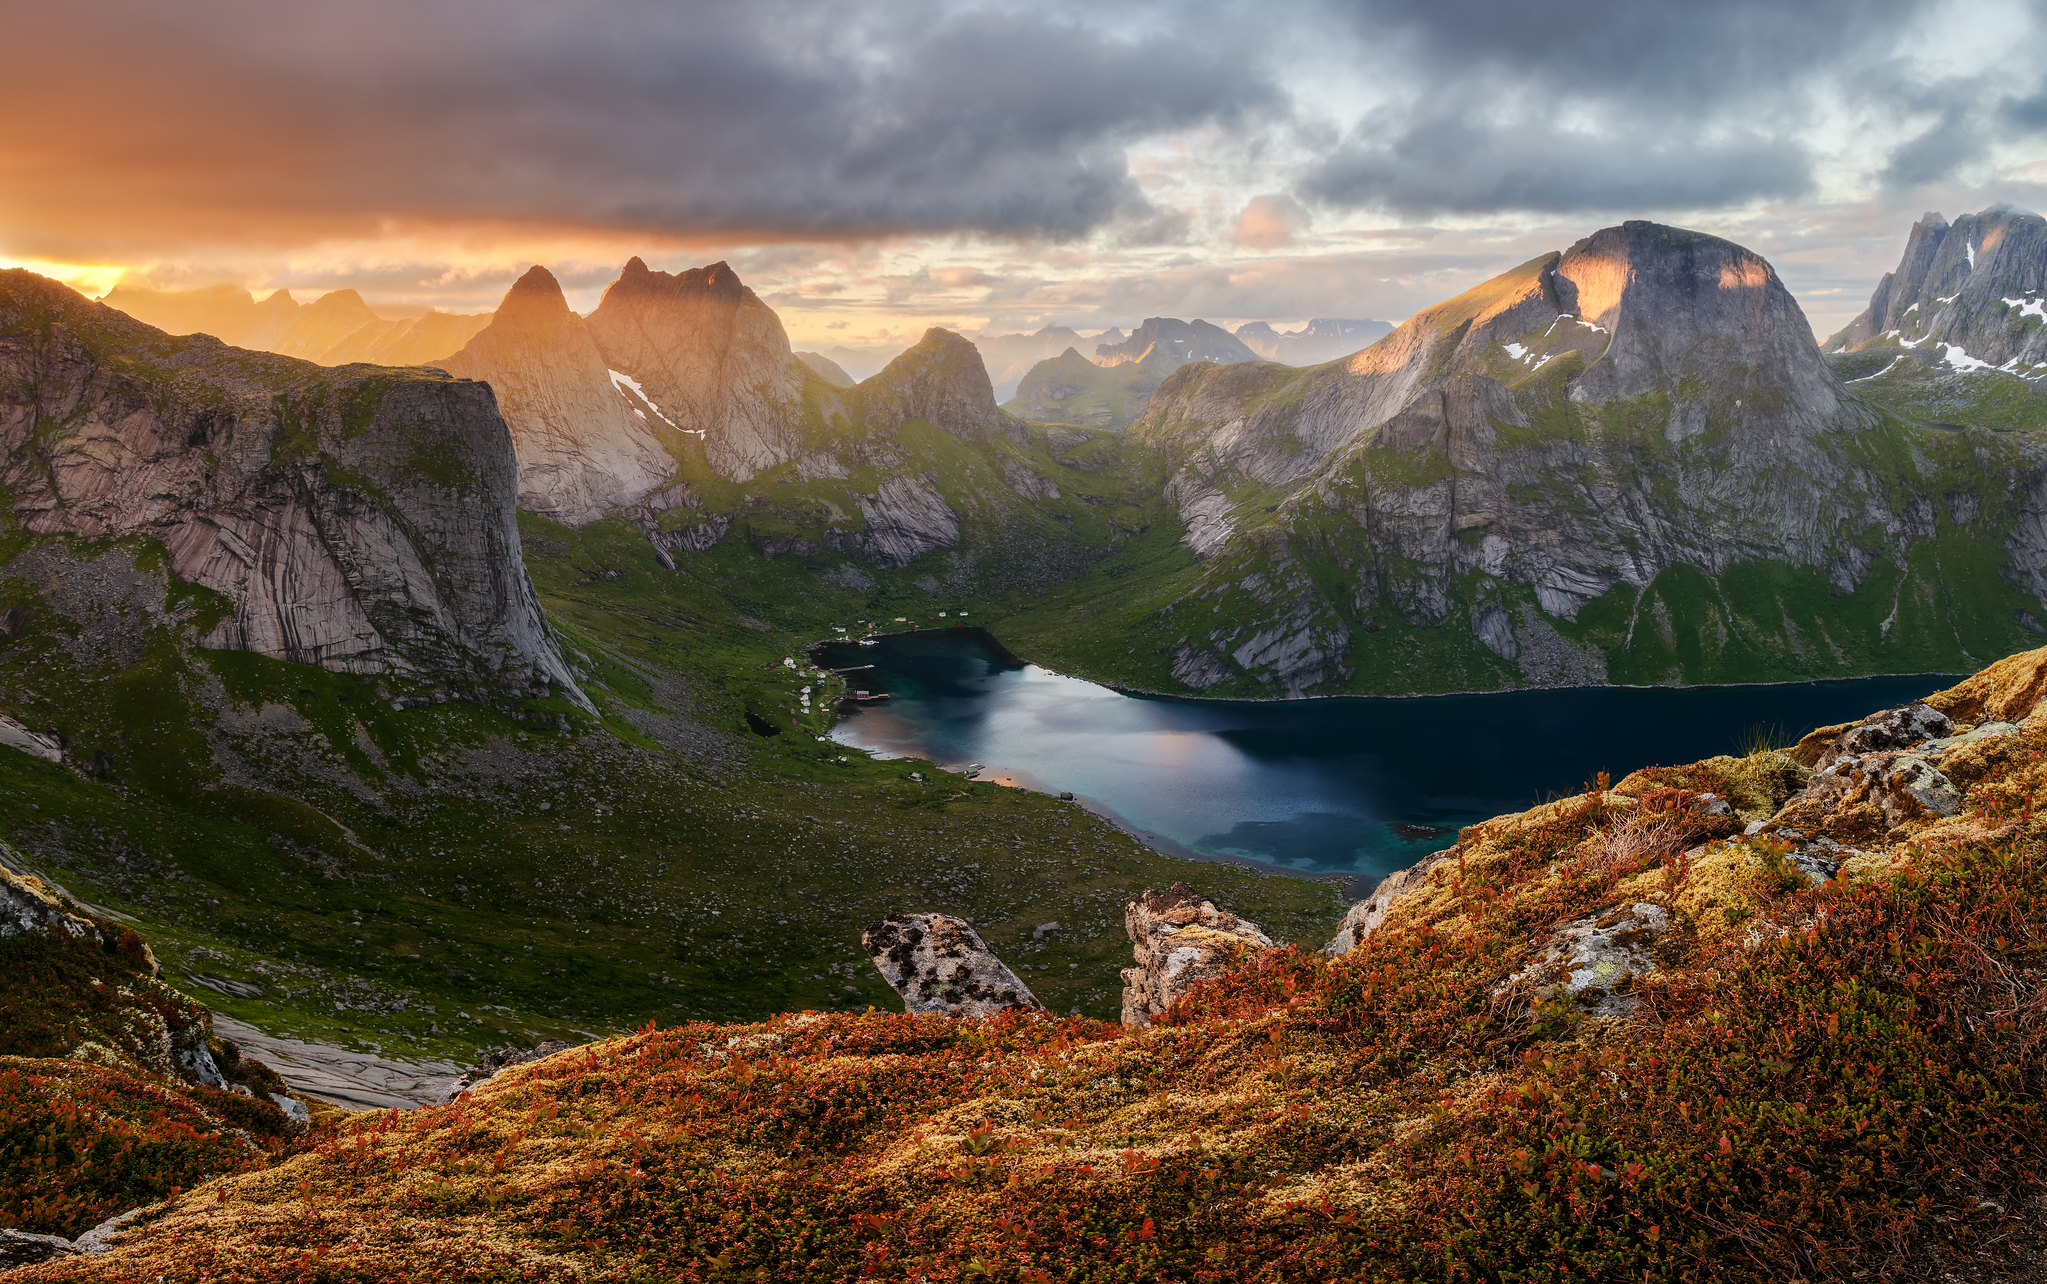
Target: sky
column 872, row 168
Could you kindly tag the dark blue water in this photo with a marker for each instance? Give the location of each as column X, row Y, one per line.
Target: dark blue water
column 1314, row 786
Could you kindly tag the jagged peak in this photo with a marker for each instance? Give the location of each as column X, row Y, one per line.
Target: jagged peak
column 535, row 299
column 712, row 281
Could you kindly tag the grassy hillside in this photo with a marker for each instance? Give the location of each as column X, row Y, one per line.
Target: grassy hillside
column 1816, row 1080
column 440, row 877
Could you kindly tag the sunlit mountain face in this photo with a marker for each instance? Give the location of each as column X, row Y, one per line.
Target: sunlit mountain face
column 994, row 169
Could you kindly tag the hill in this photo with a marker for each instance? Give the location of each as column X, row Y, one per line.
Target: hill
column 1736, row 1020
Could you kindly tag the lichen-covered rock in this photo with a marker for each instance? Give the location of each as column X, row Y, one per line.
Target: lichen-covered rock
column 491, row 1064
column 361, row 519
column 21, row 1248
column 1179, row 939
column 940, row 965
column 1899, row 728
column 28, row 904
column 1363, row 918
column 1597, row 960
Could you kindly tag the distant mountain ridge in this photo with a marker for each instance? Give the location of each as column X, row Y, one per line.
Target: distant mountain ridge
column 1322, row 339
column 1110, row 389
column 337, row 328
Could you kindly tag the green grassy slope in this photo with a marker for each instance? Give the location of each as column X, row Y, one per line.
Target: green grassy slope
column 443, row 877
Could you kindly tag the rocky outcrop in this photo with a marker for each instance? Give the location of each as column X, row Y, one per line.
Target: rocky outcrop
column 34, row 743
column 1967, row 296
column 359, row 519
column 497, row 1061
column 1649, row 399
column 1364, row 918
column 943, row 382
column 703, row 348
column 941, row 966
column 585, row 438
column 27, row 904
column 1179, row 939
column 905, row 519
column 1597, row 961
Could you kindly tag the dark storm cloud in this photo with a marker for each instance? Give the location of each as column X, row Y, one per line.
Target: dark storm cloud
column 1624, row 104
column 1451, row 165
column 760, row 119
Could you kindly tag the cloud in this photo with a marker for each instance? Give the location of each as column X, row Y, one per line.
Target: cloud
column 238, row 118
column 1269, row 223
column 1622, row 106
column 1447, row 165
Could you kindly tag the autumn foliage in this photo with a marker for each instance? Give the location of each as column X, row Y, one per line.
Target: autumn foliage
column 1818, row 1081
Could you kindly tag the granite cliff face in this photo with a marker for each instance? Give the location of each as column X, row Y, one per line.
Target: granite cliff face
column 1969, row 296
column 358, row 519
column 1649, row 399
column 713, row 357
column 584, row 437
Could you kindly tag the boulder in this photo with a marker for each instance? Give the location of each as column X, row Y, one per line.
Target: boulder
column 490, row 1064
column 20, row 1248
column 1364, row 917
column 1900, row 728
column 27, row 904
column 1179, row 940
column 1597, row 960
column 941, row 966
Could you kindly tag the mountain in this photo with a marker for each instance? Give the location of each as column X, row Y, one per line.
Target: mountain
column 585, row 438
column 336, row 329
column 713, row 357
column 358, row 519
column 1969, row 295
column 1111, row 390
column 826, row 369
column 1624, row 461
column 1011, row 356
column 1163, row 344
column 1322, row 339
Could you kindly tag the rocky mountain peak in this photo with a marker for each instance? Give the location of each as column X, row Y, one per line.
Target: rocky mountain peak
column 1969, row 296
column 586, row 442
column 535, row 301
column 942, row 380
column 715, row 359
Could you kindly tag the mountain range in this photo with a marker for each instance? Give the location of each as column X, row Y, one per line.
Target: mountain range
column 334, row 330
column 414, row 712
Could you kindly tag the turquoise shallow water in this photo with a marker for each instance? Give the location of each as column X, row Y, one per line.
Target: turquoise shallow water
column 1311, row 786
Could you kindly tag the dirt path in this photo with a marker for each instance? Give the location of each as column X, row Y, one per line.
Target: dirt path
column 357, row 1080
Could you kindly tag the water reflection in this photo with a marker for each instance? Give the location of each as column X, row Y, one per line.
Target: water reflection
column 1312, row 785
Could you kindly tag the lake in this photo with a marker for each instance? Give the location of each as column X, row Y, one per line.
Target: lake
column 1353, row 786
